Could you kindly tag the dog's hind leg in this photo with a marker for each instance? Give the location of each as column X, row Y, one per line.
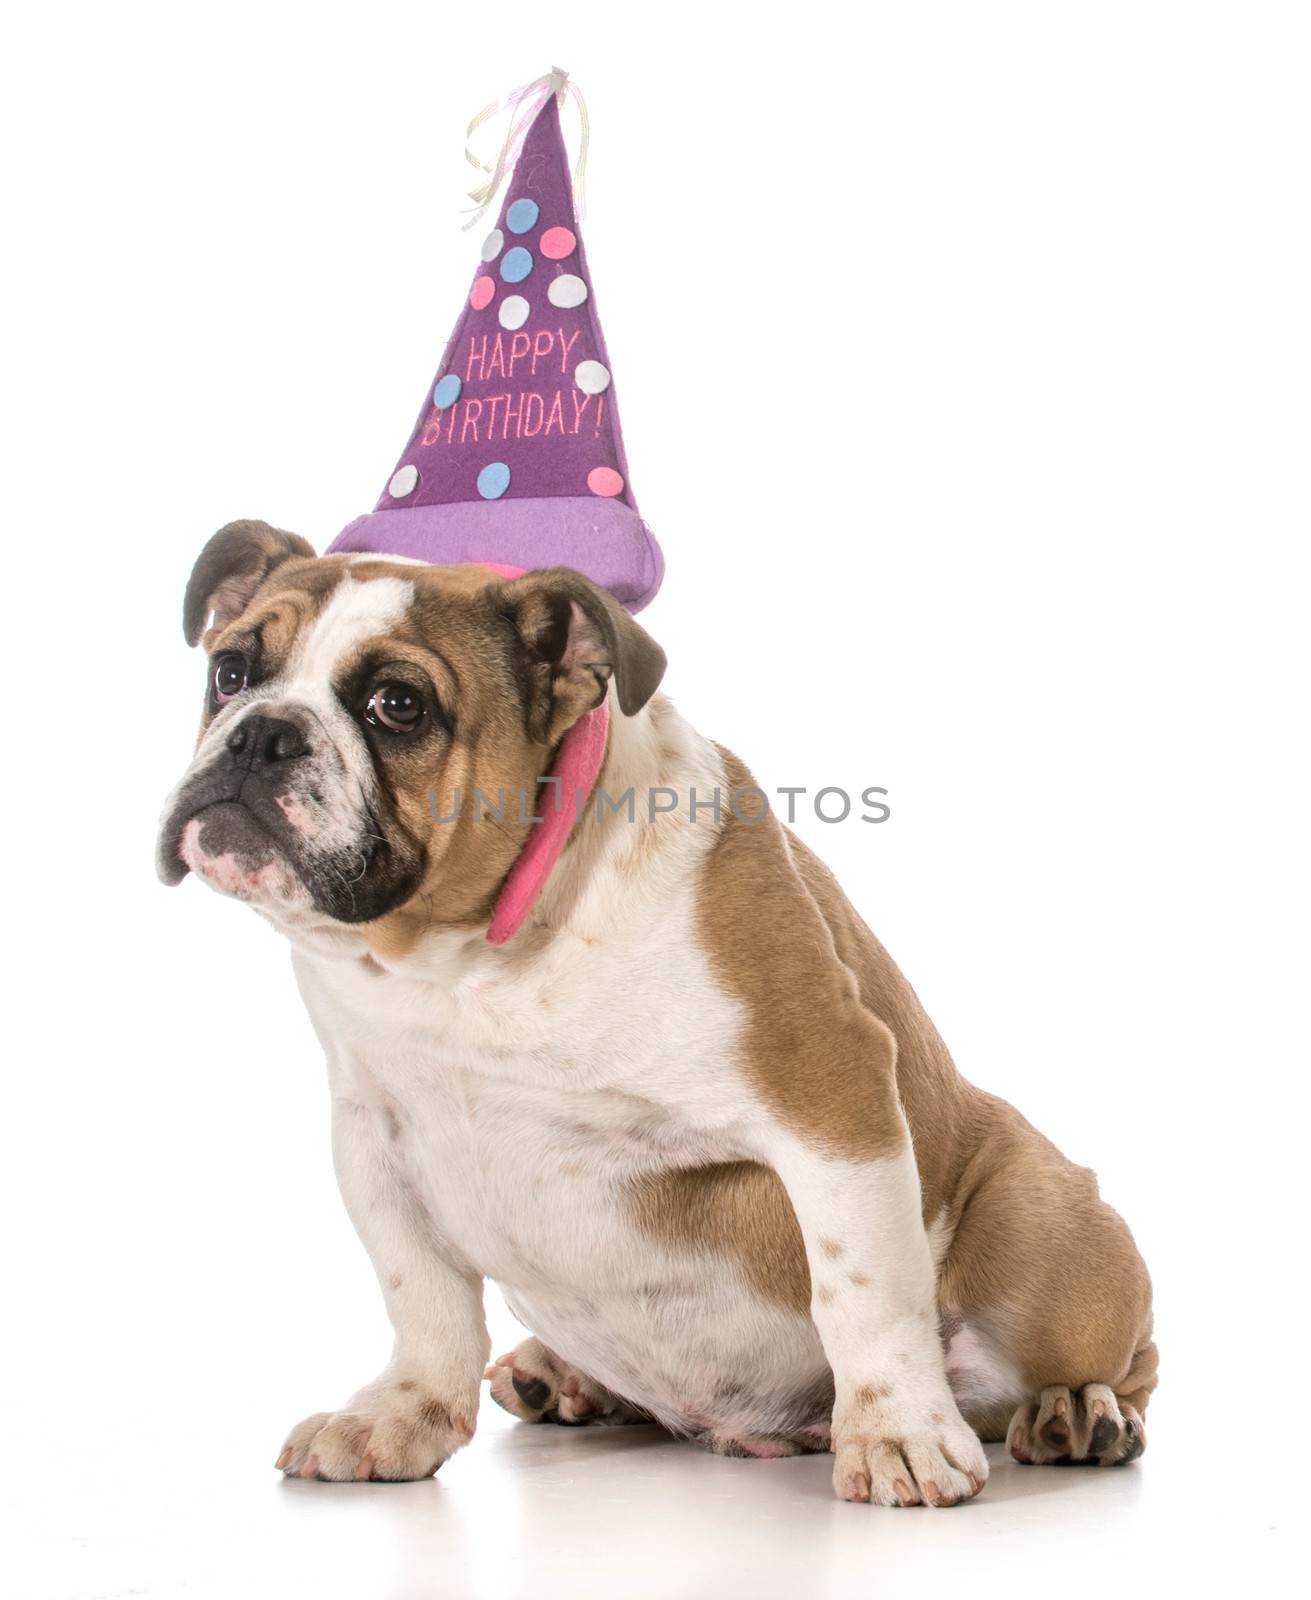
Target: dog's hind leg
column 535, row 1385
column 1043, row 1281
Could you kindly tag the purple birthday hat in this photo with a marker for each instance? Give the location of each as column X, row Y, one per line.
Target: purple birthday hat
column 517, row 457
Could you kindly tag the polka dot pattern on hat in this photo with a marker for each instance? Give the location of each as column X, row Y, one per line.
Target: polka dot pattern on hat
column 605, row 481
column 492, row 244
column 493, row 480
column 404, row 481
column 447, row 391
column 567, row 291
column 522, row 216
column 591, row 377
column 480, row 296
column 516, row 264
column 514, row 311
column 557, row 243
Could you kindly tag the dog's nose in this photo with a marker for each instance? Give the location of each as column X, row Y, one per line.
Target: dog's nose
column 267, row 740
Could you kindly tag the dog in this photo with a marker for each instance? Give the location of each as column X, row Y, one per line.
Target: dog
column 691, row 1119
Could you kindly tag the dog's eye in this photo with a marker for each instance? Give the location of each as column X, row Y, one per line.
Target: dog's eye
column 396, row 707
column 231, row 675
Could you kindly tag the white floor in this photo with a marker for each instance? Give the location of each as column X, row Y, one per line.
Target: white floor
column 548, row 1511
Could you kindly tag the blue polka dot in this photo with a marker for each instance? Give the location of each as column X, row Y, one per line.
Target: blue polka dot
column 494, row 480
column 516, row 264
column 447, row 391
column 521, row 216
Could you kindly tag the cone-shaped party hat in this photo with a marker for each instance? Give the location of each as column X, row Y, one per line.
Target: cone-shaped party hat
column 516, row 457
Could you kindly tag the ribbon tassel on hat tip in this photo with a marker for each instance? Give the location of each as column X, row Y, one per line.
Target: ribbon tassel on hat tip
column 516, row 460
column 531, row 97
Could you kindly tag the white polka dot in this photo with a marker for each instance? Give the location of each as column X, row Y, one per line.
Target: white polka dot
column 567, row 291
column 591, row 377
column 513, row 312
column 403, row 481
column 492, row 244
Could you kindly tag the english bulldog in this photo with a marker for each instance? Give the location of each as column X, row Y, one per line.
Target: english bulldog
column 690, row 1118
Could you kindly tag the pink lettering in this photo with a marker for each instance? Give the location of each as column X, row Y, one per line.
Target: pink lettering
column 473, row 409
column 581, row 402
column 520, row 345
column 566, row 345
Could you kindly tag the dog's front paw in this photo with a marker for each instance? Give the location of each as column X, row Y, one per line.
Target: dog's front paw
column 905, row 1456
column 393, row 1431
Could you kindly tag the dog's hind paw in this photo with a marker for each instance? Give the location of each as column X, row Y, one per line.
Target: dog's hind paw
column 1087, row 1426
column 533, row 1384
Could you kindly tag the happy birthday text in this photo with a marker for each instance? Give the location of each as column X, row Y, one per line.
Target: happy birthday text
column 521, row 414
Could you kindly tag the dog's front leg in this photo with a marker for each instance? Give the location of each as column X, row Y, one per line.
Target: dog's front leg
column 422, row 1407
column 898, row 1436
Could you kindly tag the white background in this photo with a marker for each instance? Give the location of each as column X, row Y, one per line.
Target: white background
column 963, row 354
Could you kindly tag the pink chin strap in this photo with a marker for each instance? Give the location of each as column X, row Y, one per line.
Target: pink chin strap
column 570, row 784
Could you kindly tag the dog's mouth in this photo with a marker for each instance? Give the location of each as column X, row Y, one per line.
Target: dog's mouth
column 253, row 844
column 225, row 843
column 224, row 814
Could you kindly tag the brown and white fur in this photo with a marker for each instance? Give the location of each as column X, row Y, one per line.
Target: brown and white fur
column 691, row 1119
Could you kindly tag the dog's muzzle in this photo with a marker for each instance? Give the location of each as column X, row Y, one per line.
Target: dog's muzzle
column 236, row 806
column 271, row 815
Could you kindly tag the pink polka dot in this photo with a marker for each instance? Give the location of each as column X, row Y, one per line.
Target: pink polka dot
column 605, row 480
column 482, row 292
column 557, row 243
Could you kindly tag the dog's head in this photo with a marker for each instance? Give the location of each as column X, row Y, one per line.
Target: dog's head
column 349, row 698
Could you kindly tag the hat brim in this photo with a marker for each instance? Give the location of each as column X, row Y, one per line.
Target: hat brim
column 604, row 539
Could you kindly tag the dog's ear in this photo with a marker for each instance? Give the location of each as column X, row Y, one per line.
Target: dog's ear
column 229, row 570
column 575, row 637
